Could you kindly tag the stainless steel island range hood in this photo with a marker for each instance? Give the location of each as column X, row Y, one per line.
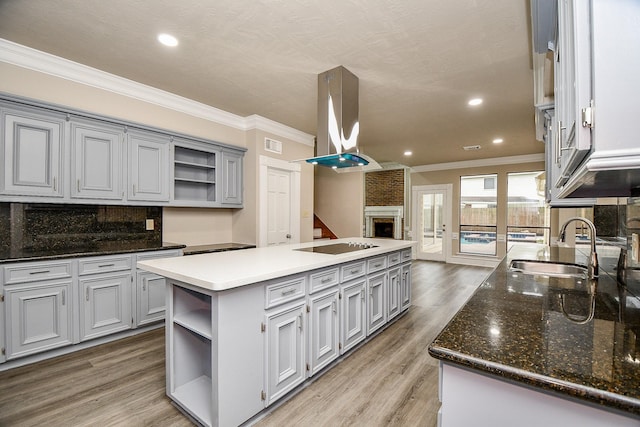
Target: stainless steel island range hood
column 338, row 122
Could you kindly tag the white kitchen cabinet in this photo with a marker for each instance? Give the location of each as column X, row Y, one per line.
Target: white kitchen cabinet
column 148, row 166
column 32, row 152
column 376, row 302
column 405, row 287
column 285, row 355
column 353, row 316
column 596, row 89
column 38, row 317
column 96, row 160
column 232, row 177
column 105, row 304
column 324, row 329
column 394, row 283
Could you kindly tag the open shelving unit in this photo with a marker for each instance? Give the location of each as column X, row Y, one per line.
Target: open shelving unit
column 195, row 174
column 191, row 353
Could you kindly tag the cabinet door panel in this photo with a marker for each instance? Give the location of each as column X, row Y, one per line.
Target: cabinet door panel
column 324, row 330
column 232, row 178
column 354, row 314
column 285, row 351
column 376, row 308
column 38, row 318
column 148, row 167
column 106, row 305
column 405, row 288
column 96, row 171
column 32, row 154
column 393, row 294
column 151, row 298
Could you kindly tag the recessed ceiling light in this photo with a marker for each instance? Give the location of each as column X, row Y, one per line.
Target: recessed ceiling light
column 408, row 153
column 475, row 101
column 498, row 141
column 167, row 40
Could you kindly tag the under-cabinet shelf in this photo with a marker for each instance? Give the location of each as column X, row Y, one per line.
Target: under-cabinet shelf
column 196, row 395
column 198, row 321
column 196, row 181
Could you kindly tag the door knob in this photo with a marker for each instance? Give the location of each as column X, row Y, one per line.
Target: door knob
column 288, row 236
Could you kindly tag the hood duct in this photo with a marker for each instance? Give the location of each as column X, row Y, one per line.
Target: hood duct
column 338, row 122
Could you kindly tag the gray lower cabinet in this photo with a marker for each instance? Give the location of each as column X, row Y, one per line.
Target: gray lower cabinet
column 353, row 313
column 148, row 166
column 405, row 287
column 38, row 307
column 393, row 292
column 96, row 160
column 51, row 304
column 376, row 303
column 324, row 327
column 105, row 304
column 32, row 152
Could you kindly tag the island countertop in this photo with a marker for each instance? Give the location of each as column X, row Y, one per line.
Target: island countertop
column 221, row 271
column 537, row 331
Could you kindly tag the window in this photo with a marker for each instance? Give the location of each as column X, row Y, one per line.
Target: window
column 527, row 213
column 478, row 214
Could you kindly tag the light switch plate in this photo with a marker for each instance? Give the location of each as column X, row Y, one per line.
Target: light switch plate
column 149, row 225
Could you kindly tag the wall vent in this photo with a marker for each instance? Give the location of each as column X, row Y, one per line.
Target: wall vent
column 471, row 147
column 273, row 145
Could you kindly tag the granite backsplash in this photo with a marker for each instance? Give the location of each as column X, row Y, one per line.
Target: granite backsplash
column 38, row 228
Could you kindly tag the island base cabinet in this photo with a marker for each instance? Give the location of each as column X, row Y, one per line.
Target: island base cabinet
column 324, row 338
column 39, row 317
column 285, row 356
column 405, row 287
column 376, row 307
column 492, row 402
column 354, row 314
column 150, row 295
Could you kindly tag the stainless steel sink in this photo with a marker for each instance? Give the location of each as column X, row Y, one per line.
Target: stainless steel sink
column 546, row 268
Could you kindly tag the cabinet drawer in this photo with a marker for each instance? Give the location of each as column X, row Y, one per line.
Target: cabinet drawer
column 352, row 270
column 284, row 291
column 394, row 258
column 323, row 279
column 376, row 264
column 406, row 255
column 32, row 272
column 158, row 254
column 104, row 264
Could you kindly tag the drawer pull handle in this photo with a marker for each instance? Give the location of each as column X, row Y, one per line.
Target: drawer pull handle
column 40, row 272
column 64, row 297
column 86, row 294
column 377, row 265
column 355, row 271
column 326, row 280
column 106, row 265
column 288, row 292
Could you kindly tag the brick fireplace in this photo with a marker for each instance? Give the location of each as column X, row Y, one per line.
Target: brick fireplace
column 383, row 221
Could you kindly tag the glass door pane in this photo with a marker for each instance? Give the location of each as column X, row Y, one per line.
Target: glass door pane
column 431, row 228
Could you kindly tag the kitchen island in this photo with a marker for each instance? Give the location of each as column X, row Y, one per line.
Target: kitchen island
column 531, row 350
column 247, row 328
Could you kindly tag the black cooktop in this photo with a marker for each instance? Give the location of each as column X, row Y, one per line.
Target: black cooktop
column 337, row 248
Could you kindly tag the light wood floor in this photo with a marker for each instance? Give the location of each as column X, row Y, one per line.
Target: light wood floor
column 390, row 381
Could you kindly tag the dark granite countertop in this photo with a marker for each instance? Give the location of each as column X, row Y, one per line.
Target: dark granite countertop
column 89, row 248
column 538, row 331
column 217, row 247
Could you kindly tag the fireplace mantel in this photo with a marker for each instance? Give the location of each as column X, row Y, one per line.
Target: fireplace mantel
column 394, row 212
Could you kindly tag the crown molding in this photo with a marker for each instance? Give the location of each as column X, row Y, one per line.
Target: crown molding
column 496, row 161
column 26, row 57
column 267, row 125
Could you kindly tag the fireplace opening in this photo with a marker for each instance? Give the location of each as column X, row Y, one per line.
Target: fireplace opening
column 383, row 227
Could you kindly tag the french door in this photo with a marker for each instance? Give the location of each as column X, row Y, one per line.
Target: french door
column 431, row 216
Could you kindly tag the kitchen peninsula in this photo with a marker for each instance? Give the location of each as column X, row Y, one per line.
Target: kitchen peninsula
column 245, row 328
column 534, row 349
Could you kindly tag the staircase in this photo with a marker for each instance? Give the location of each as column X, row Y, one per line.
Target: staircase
column 320, row 230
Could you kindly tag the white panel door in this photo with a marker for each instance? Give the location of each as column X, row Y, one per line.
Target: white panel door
column 278, row 207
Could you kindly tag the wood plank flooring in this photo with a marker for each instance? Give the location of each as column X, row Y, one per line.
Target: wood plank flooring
column 391, row 381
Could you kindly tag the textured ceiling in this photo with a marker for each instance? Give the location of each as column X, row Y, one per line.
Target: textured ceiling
column 418, row 62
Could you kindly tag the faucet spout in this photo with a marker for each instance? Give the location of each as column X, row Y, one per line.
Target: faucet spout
column 593, row 256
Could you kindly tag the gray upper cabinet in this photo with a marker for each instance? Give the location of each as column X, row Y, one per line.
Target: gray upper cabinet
column 96, row 160
column 148, row 166
column 232, row 178
column 55, row 155
column 32, row 152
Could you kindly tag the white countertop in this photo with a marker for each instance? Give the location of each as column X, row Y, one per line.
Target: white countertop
column 226, row 270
